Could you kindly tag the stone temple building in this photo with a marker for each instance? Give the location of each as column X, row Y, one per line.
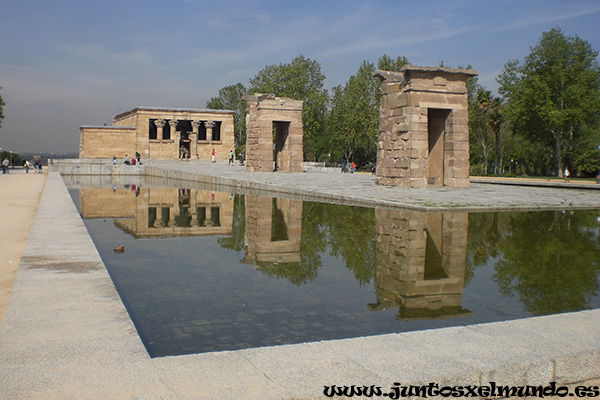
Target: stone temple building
column 161, row 133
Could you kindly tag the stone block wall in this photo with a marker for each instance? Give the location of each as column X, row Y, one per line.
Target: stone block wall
column 413, row 103
column 106, row 142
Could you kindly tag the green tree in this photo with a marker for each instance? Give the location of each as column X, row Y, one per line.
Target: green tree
column 2, row 104
column 301, row 79
column 479, row 133
column 550, row 260
column 235, row 241
column 554, row 95
column 230, row 98
column 354, row 116
column 386, row 63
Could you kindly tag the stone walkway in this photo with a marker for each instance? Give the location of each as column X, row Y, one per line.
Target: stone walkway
column 19, row 197
column 361, row 189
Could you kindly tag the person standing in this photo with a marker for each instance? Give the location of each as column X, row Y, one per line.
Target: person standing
column 138, row 157
column 5, row 164
column 566, row 174
column 230, row 157
column 213, row 155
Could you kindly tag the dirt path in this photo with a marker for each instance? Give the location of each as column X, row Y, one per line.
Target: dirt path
column 19, row 198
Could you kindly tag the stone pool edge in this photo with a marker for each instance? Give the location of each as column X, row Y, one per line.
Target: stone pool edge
column 67, row 334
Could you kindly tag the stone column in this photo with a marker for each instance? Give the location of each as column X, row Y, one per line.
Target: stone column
column 160, row 123
column 209, row 130
column 175, row 137
column 194, row 139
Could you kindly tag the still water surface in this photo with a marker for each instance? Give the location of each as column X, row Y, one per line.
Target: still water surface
column 206, row 270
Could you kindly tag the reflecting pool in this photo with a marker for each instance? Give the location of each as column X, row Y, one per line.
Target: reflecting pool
column 205, row 269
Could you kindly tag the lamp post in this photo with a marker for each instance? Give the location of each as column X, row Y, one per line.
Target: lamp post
column 11, row 161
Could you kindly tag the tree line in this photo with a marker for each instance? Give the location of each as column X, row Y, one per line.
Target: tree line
column 543, row 119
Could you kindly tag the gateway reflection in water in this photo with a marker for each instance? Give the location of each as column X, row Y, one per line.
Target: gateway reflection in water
column 325, row 271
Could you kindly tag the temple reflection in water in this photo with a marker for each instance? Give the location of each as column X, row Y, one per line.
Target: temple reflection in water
column 420, row 263
column 420, row 257
column 273, row 231
column 160, row 212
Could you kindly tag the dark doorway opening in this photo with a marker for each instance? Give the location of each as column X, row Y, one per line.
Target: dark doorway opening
column 436, row 132
column 281, row 130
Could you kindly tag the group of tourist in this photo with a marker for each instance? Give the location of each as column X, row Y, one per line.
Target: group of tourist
column 37, row 166
column 348, row 167
column 231, row 157
column 129, row 161
column 184, row 154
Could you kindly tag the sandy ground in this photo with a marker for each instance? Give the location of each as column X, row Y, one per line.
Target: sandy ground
column 19, row 198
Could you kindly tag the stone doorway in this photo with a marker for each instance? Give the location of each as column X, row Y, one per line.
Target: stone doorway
column 436, row 140
column 184, row 145
column 281, row 159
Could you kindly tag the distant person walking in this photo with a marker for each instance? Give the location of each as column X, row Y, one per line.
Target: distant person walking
column 230, row 157
column 566, row 174
column 5, row 164
column 138, row 157
column 213, row 155
column 114, row 160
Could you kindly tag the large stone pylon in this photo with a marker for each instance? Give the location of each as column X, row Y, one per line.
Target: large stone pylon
column 423, row 127
column 273, row 134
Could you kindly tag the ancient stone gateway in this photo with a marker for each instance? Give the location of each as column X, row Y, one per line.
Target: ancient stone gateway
column 273, row 134
column 423, row 127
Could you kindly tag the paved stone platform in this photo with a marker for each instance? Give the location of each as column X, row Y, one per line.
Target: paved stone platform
column 360, row 188
column 67, row 335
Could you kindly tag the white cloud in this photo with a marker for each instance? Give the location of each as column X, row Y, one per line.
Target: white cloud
column 550, row 15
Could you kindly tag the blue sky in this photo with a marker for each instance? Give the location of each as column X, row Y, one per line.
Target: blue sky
column 69, row 63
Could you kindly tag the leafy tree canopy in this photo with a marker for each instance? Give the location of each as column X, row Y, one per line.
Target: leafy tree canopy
column 553, row 96
column 230, row 98
column 301, row 79
column 2, row 104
